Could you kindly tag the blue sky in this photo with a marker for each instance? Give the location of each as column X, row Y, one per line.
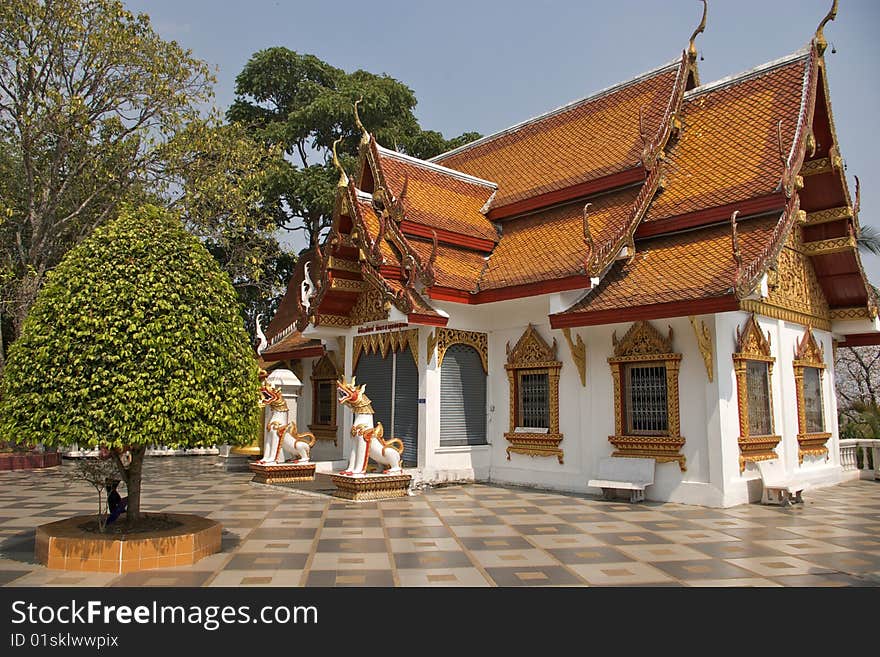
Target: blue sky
column 484, row 66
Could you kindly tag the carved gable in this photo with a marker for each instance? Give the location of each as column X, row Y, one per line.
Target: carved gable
column 642, row 339
column 751, row 341
column 809, row 352
column 325, row 368
column 531, row 351
column 794, row 285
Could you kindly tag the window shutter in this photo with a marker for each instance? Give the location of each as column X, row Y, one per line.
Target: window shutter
column 462, row 397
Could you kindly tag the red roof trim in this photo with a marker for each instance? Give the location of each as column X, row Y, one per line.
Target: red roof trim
column 590, row 187
column 762, row 204
column 301, row 352
column 652, row 311
column 412, row 229
column 861, row 340
column 579, row 281
column 428, row 320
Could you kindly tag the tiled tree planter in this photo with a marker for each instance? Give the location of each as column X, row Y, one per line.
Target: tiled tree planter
column 29, row 460
column 65, row 545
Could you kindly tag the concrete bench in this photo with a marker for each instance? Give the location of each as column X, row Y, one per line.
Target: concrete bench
column 620, row 473
column 779, row 488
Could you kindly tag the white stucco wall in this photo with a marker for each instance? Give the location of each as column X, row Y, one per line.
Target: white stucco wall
column 784, row 337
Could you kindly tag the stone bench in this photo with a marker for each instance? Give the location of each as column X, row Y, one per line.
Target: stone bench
column 779, row 488
column 622, row 473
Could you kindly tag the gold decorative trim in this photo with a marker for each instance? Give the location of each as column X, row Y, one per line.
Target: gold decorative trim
column 282, row 474
column 761, row 448
column 375, row 487
column 815, row 167
column 384, row 342
column 660, row 448
column 826, row 247
column 812, row 444
column 643, row 343
column 704, row 342
column 333, row 320
column 533, row 355
column 432, row 344
column 371, row 306
column 831, row 214
column 535, row 444
column 445, row 338
column 850, row 313
column 323, row 432
column 335, row 262
column 793, row 316
column 578, row 354
column 348, row 285
column 752, row 344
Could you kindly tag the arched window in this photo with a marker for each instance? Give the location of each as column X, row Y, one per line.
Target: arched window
column 646, row 416
column 809, row 367
column 462, row 397
column 754, row 368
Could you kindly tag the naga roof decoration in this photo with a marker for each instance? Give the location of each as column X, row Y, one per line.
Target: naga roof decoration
column 626, row 195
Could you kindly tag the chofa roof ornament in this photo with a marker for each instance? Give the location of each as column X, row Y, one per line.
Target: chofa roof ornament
column 819, row 39
column 692, row 48
column 343, row 177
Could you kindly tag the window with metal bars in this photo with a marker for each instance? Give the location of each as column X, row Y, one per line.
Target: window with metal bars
column 645, row 401
column 533, row 408
column 813, row 400
column 324, row 401
column 758, row 392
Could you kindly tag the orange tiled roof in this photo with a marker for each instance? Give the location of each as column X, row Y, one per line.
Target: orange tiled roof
column 549, row 244
column 292, row 341
column 371, row 221
column 454, row 267
column 591, row 138
column 690, row 265
column 728, row 151
column 439, row 198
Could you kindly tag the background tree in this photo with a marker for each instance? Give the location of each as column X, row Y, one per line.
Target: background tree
column 857, row 374
column 303, row 104
column 87, row 92
column 135, row 339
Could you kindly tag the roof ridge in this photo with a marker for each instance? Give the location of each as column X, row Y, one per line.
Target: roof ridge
column 748, row 74
column 437, row 167
column 562, row 108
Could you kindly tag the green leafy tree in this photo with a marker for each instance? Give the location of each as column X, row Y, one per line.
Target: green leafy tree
column 303, row 104
column 135, row 339
column 87, row 93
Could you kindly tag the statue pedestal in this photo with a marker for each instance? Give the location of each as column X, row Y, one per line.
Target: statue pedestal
column 371, row 486
column 281, row 473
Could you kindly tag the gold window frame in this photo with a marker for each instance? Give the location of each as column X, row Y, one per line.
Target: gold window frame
column 753, row 345
column 643, row 344
column 532, row 355
column 809, row 353
column 324, row 370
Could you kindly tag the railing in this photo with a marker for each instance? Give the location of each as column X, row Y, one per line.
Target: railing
column 869, row 450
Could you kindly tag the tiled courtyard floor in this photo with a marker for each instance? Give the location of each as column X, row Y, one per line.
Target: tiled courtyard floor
column 474, row 535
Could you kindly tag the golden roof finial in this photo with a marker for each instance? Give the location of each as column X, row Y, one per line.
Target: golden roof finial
column 821, row 43
column 692, row 49
column 365, row 136
column 343, row 177
column 734, row 240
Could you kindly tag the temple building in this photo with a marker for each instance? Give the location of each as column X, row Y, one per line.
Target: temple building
column 660, row 270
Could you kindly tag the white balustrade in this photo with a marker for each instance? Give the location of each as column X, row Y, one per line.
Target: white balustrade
column 851, row 450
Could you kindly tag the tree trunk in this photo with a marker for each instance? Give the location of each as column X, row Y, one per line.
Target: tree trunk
column 135, row 470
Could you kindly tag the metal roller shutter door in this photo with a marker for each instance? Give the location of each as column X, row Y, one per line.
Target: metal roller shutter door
column 406, row 406
column 376, row 372
column 462, row 397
